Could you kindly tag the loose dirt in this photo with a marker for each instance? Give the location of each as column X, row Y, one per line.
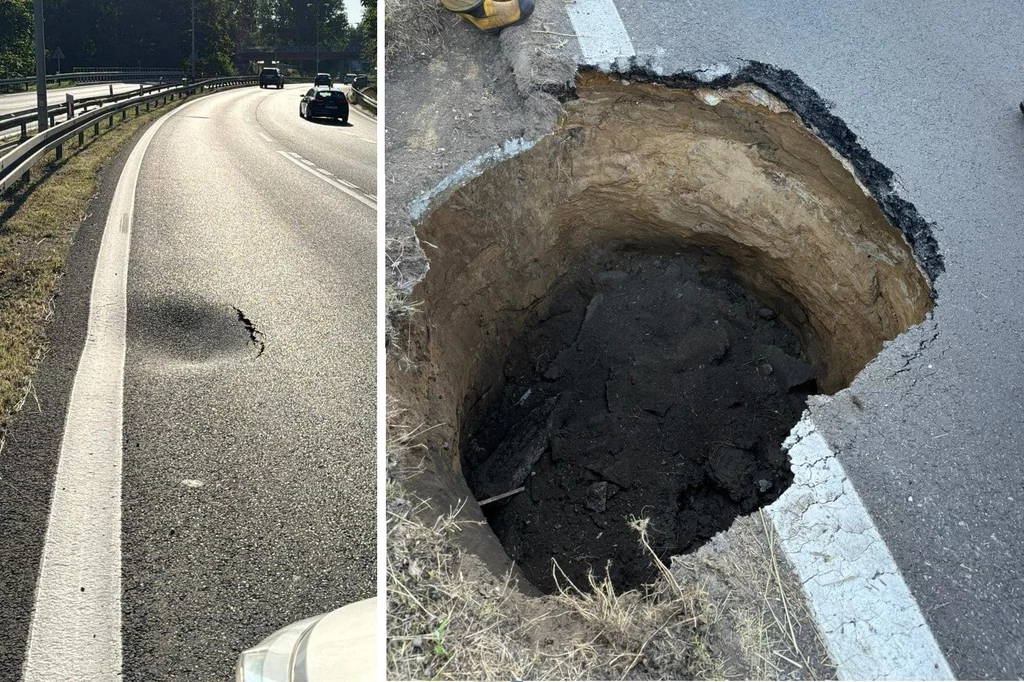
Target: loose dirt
column 647, row 390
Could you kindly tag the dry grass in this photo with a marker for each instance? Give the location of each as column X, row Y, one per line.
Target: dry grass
column 415, row 29
column 38, row 223
column 731, row 612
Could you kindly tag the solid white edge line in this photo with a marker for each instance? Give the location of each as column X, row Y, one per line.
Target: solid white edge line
column 334, row 183
column 382, row 595
column 599, row 29
column 871, row 624
column 76, row 619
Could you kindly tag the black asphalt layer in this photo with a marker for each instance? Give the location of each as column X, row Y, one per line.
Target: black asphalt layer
column 934, row 440
column 249, row 469
column 28, row 460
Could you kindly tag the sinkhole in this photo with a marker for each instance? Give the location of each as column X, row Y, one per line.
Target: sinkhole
column 625, row 320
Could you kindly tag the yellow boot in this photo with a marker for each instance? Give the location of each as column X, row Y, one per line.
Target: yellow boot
column 491, row 15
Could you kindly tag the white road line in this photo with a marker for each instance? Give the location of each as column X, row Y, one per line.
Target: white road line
column 871, row 624
column 76, row 623
column 307, row 162
column 266, row 137
column 365, row 199
column 601, row 33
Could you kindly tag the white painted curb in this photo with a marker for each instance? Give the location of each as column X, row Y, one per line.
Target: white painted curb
column 870, row 622
column 76, row 623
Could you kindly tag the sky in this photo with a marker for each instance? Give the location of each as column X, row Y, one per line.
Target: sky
column 354, row 12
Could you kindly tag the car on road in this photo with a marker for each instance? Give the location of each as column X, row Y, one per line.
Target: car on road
column 271, row 76
column 337, row 647
column 323, row 79
column 326, row 102
column 348, row 79
column 361, row 81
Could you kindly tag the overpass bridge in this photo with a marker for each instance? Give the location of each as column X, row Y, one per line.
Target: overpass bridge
column 342, row 59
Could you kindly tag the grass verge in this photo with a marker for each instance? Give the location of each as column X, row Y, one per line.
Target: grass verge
column 415, row 28
column 38, row 223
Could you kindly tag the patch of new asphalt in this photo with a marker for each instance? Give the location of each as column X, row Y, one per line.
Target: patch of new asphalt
column 933, row 441
column 249, row 478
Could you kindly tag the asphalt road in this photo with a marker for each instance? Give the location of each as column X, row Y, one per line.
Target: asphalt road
column 248, row 490
column 19, row 101
column 935, row 447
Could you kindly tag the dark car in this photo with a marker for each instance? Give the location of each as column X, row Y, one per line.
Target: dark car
column 360, row 81
column 325, row 102
column 271, row 76
column 348, row 79
column 323, row 79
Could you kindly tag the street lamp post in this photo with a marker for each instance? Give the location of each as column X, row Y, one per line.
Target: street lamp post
column 40, row 68
column 317, row 5
column 193, row 60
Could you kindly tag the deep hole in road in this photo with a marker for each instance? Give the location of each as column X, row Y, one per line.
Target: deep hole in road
column 625, row 321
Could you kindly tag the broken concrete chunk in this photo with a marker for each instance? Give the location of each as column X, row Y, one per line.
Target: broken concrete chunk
column 790, row 373
column 610, row 277
column 597, row 497
column 708, row 349
column 620, row 472
column 733, row 470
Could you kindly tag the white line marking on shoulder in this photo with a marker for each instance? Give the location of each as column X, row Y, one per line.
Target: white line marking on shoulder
column 76, row 622
column 872, row 626
column 266, row 137
column 602, row 35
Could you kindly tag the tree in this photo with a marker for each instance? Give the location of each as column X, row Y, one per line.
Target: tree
column 16, row 57
column 369, row 30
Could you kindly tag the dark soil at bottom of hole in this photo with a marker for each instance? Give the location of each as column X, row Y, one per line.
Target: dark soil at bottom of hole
column 647, row 389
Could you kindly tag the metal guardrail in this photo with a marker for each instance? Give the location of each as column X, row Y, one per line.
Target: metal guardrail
column 93, row 76
column 369, row 100
column 17, row 163
column 23, row 118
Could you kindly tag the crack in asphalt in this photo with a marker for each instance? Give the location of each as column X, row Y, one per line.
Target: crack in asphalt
column 255, row 335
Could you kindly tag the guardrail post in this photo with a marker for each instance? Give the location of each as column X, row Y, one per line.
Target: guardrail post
column 136, row 110
column 111, row 89
column 110, row 121
column 52, row 118
column 124, row 114
column 24, row 130
column 59, row 152
column 95, row 129
column 81, row 139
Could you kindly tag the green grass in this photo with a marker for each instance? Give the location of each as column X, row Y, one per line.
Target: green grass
column 38, row 223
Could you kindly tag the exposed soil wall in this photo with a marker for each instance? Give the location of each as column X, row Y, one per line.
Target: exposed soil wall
column 731, row 179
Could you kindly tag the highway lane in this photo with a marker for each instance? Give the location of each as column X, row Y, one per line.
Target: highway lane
column 19, row 101
column 349, row 151
column 933, row 442
column 281, row 436
column 248, row 491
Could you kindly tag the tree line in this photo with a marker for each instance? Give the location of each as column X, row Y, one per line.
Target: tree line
column 158, row 33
